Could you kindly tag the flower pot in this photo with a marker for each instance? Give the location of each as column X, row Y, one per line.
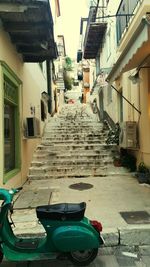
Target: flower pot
column 117, row 162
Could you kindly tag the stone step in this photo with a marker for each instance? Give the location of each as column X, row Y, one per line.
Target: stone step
column 68, row 168
column 74, row 161
column 72, row 130
column 75, row 140
column 72, row 124
column 76, row 132
column 73, row 146
column 68, row 173
column 66, row 121
column 60, row 155
column 103, row 172
column 76, row 148
column 79, row 134
column 50, row 156
column 54, row 157
column 74, row 137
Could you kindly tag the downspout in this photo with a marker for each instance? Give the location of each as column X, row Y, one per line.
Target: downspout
column 49, row 85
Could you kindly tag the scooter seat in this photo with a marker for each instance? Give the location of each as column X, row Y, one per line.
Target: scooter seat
column 62, row 212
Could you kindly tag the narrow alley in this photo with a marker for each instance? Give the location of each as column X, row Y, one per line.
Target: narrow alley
column 74, row 133
column 73, row 164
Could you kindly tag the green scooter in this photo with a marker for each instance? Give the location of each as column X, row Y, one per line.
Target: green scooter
column 68, row 233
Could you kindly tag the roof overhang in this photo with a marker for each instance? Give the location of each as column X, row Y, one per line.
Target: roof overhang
column 135, row 53
column 30, row 26
column 94, row 39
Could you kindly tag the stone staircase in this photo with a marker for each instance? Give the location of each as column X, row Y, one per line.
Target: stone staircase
column 74, row 146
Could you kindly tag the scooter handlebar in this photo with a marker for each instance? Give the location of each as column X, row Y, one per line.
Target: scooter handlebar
column 7, row 195
column 18, row 189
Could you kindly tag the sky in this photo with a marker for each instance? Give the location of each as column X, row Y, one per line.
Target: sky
column 69, row 23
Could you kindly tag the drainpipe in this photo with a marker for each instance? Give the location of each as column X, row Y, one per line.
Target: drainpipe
column 49, row 85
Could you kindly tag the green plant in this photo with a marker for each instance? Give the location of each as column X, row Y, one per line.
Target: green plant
column 67, row 82
column 143, row 173
column 68, row 64
column 117, row 162
column 142, row 168
column 128, row 160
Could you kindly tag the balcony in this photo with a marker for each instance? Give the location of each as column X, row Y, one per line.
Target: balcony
column 30, row 27
column 124, row 15
column 134, row 43
column 94, row 35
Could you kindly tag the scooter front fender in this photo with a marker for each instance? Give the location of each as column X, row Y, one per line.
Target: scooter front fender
column 71, row 238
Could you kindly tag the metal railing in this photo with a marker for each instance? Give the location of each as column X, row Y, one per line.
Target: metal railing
column 123, row 16
column 94, row 12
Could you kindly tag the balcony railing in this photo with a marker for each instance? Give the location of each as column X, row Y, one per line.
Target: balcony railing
column 123, row 16
column 95, row 31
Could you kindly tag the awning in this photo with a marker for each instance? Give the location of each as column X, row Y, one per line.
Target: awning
column 94, row 39
column 30, row 26
column 136, row 52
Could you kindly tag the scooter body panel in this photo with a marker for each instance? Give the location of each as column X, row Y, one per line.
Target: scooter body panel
column 12, row 254
column 71, row 238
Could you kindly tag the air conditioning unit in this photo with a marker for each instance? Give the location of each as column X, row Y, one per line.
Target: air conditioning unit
column 128, row 135
column 32, row 127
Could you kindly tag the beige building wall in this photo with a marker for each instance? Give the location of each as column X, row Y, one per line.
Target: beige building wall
column 144, row 126
column 33, row 83
column 139, row 96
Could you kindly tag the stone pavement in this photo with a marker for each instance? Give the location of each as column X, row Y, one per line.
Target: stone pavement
column 107, row 257
column 106, row 197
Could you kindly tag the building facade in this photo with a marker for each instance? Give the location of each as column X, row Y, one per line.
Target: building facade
column 27, row 46
column 121, row 51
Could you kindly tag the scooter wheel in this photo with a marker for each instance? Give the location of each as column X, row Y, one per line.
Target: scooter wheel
column 83, row 257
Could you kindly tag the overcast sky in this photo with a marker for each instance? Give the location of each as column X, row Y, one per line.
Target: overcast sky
column 69, row 23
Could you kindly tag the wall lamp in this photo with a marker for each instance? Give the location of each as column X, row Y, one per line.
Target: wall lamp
column 135, row 77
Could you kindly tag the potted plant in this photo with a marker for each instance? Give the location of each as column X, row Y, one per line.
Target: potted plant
column 129, row 162
column 117, row 162
column 143, row 173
